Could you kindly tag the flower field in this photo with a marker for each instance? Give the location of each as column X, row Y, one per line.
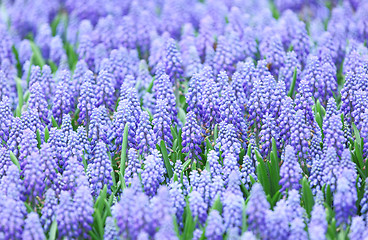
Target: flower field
column 184, row 119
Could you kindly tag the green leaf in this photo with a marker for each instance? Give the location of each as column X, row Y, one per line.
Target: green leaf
column 328, row 195
column 274, row 148
column 186, row 164
column 20, row 94
column 99, row 223
column 54, row 123
column 37, row 56
column 84, row 163
column 274, row 171
column 356, row 134
column 208, row 145
column 358, row 154
column 244, row 219
column 292, row 86
column 253, row 181
column 38, row 135
column 245, row 191
column 307, row 196
column 215, row 133
column 149, row 88
column 166, row 159
column 318, row 119
column 181, row 115
column 47, row 134
column 249, row 151
column 14, row 159
column 26, row 96
column 262, row 174
column 190, row 223
column 275, row 198
column 217, row 205
column 53, row 230
column 123, row 151
column 29, row 208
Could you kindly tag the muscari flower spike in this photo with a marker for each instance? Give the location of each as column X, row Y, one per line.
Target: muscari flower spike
column 344, row 200
column 277, row 222
column 48, row 210
column 248, row 170
column 257, row 208
column 197, row 206
column 290, row 171
column 161, row 122
column 33, row 228
column 133, row 167
column 99, row 170
column 192, row 138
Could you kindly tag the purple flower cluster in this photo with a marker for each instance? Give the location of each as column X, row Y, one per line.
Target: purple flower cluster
column 186, row 119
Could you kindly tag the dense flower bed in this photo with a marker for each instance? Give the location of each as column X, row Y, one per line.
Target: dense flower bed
column 185, row 119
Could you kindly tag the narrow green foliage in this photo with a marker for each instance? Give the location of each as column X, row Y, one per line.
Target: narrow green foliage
column 262, row 174
column 123, row 152
column 166, row 159
column 307, row 196
column 14, row 159
column 53, row 230
column 292, row 86
column 37, row 58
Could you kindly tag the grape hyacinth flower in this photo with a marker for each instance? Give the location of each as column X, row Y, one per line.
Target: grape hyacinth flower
column 163, row 89
column 318, row 223
column 285, row 121
column 300, row 135
column 105, row 90
column 133, row 167
column 333, row 135
column 33, row 228
column 297, row 231
column 194, row 95
column 145, row 137
column 83, row 207
column 227, row 140
column 48, row 210
column 66, row 216
column 173, row 61
column 34, row 176
column 28, row 145
column 248, row 170
column 344, row 200
column 357, row 229
column 12, row 218
column 268, row 131
column 177, row 199
column 152, row 174
column 38, row 102
column 215, row 226
column 215, row 166
column 122, row 116
column 331, row 169
column 5, row 161
column 62, row 102
column 233, row 211
column 257, row 208
column 277, row 222
column 99, row 126
column 99, row 170
column 192, row 138
column 161, row 123
column 86, row 102
column 197, row 206
column 5, row 119
column 290, row 171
